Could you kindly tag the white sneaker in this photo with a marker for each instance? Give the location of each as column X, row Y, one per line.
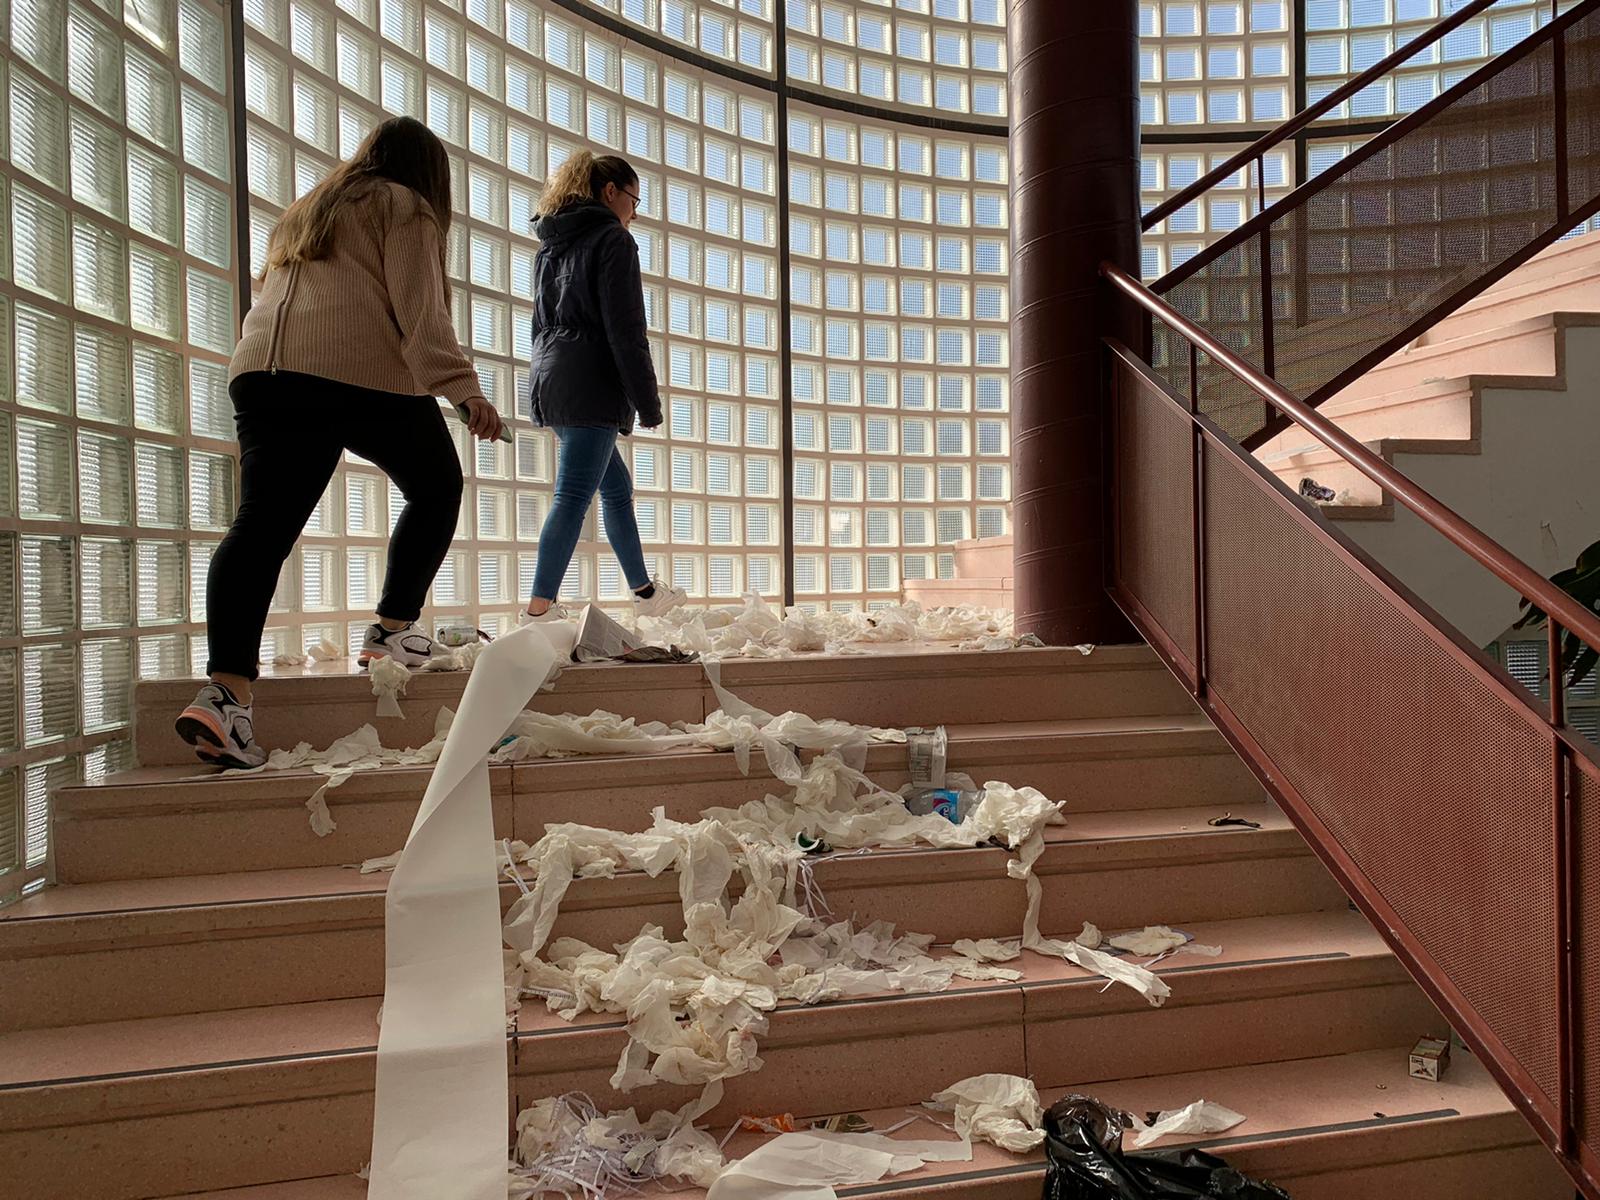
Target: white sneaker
column 556, row 612
column 410, row 646
column 220, row 729
column 663, row 600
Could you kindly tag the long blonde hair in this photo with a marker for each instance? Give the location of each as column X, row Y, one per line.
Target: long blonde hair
column 400, row 150
column 584, row 177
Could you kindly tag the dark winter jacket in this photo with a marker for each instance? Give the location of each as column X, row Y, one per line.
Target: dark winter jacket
column 591, row 359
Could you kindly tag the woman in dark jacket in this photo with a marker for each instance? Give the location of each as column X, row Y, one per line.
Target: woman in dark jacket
column 591, row 375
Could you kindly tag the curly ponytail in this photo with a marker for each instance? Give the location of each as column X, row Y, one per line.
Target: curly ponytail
column 584, row 177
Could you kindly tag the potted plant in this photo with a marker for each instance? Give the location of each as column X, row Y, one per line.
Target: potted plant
column 1581, row 581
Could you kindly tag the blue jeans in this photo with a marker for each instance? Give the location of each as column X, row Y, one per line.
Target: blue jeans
column 588, row 461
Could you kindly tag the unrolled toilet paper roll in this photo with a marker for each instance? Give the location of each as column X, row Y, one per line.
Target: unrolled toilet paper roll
column 443, row 1094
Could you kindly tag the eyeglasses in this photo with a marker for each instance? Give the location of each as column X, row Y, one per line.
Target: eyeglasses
column 635, row 197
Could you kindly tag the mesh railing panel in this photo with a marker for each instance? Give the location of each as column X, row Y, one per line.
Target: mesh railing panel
column 1402, row 231
column 1154, row 503
column 1435, row 781
column 1433, row 777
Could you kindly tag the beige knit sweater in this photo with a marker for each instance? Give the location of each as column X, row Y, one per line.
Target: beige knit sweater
column 373, row 313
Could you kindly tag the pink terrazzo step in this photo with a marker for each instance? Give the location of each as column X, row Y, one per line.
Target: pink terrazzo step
column 1523, row 347
column 1332, row 470
column 1312, row 1127
column 1564, row 278
column 894, row 685
column 985, row 558
column 158, row 821
column 224, row 941
column 996, row 592
column 174, row 1101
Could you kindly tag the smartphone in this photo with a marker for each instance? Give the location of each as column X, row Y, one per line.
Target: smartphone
column 505, row 430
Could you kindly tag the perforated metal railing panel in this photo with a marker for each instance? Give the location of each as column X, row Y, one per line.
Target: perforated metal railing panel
column 1436, row 784
column 1155, row 549
column 1408, row 227
column 1424, row 776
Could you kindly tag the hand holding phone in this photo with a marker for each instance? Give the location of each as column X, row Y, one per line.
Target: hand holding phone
column 484, row 422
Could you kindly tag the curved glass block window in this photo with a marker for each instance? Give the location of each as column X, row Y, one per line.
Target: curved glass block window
column 949, row 56
column 117, row 312
column 899, row 310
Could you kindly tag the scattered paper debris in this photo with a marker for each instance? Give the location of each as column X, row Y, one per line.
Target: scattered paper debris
column 388, row 684
column 322, row 822
column 810, row 1165
column 1149, row 985
column 566, row 1144
column 1003, row 1110
column 327, row 651
column 1153, row 939
column 1201, row 1117
column 289, row 660
column 1090, row 937
column 988, row 949
column 756, row 629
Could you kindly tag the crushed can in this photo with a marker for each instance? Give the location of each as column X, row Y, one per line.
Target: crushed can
column 456, row 636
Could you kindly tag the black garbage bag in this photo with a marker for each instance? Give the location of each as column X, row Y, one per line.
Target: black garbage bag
column 1083, row 1140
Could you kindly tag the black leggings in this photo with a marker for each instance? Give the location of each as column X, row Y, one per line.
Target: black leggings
column 292, row 430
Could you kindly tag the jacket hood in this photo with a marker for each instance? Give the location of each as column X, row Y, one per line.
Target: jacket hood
column 573, row 222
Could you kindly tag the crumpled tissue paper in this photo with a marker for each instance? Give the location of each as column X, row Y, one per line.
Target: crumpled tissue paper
column 1201, row 1117
column 1003, row 1110
column 809, row 1166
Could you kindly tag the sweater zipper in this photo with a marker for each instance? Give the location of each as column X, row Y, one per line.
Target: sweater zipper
column 277, row 319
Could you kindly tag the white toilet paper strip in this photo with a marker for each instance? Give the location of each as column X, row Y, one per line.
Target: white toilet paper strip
column 439, row 1125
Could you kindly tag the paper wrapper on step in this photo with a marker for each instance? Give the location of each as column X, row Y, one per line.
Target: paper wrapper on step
column 439, row 1122
column 1201, row 1117
column 809, row 1166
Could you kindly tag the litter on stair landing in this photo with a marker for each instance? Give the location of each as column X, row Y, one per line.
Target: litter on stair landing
column 327, row 651
column 1227, row 819
column 1312, row 490
column 1430, row 1059
column 453, row 637
column 1083, row 1145
column 756, row 629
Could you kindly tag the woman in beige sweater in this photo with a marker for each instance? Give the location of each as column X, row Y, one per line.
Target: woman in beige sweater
column 346, row 348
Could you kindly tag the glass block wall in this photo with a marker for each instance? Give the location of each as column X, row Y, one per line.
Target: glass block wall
column 860, row 141
column 898, row 252
column 117, row 315
column 1216, row 74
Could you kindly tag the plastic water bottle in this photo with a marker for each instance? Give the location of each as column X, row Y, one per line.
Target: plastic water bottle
column 948, row 803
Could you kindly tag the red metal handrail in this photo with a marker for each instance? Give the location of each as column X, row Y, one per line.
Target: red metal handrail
column 1469, row 538
column 1303, row 757
column 1257, row 150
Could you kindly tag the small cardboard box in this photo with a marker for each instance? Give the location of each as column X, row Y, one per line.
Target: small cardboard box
column 1430, row 1059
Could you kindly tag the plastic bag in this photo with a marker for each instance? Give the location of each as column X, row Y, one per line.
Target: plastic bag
column 1083, row 1141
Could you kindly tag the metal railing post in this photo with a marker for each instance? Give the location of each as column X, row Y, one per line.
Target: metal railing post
column 1269, row 353
column 1558, row 52
column 1197, row 506
column 1565, row 869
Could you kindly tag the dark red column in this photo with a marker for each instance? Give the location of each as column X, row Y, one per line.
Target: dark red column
column 1075, row 202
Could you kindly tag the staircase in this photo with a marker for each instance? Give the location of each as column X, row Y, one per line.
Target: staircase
column 983, row 578
column 1496, row 411
column 193, row 1010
